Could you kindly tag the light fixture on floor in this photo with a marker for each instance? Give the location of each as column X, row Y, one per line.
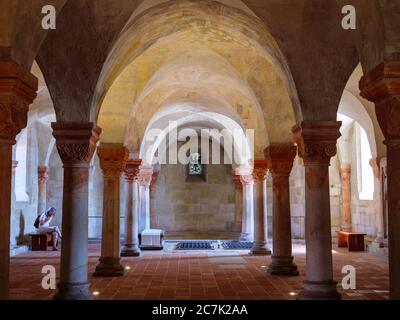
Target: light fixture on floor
column 128, row 268
column 263, row 267
column 96, row 293
column 293, row 293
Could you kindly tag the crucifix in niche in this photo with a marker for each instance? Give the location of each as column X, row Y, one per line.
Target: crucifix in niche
column 196, row 170
column 195, row 166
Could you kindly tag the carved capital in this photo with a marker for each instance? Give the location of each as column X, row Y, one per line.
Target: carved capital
column 247, row 180
column 17, row 91
column 375, row 164
column 260, row 169
column 345, row 174
column 76, row 142
column 280, row 159
column 112, row 159
column 14, row 164
column 132, row 170
column 145, row 176
column 237, row 182
column 382, row 86
column 316, row 141
column 43, row 174
column 154, row 178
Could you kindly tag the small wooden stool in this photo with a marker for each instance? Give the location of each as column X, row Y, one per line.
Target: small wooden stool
column 40, row 241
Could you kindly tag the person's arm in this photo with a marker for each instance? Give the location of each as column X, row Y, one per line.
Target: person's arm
column 43, row 220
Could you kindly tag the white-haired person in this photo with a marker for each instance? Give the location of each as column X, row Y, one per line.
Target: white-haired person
column 42, row 223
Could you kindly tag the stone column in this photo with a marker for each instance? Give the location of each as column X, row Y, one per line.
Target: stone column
column 237, row 225
column 17, row 91
column 14, row 167
column 76, row 143
column 317, row 144
column 380, row 236
column 113, row 159
column 131, row 246
column 345, row 175
column 382, row 86
column 248, row 207
column 144, row 179
column 153, row 188
column 43, row 177
column 280, row 163
column 260, row 215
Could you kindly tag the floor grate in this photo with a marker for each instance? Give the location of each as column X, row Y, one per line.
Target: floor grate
column 237, row 245
column 194, row 245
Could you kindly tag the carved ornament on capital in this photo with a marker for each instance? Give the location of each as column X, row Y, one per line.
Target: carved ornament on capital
column 43, row 174
column 145, row 176
column 382, row 86
column 260, row 169
column 316, row 141
column 236, row 181
column 76, row 142
column 132, row 169
column 280, row 159
column 345, row 174
column 247, row 180
column 17, row 91
column 112, row 159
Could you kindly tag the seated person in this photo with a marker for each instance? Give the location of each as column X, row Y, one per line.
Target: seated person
column 44, row 227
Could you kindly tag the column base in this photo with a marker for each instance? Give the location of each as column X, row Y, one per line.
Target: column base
column 247, row 237
column 283, row 266
column 73, row 292
column 130, row 250
column 109, row 267
column 319, row 291
column 380, row 241
column 260, row 249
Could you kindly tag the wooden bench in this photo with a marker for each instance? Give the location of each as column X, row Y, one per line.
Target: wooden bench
column 40, row 241
column 352, row 240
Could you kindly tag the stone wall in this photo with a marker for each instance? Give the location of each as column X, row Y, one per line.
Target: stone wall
column 195, row 206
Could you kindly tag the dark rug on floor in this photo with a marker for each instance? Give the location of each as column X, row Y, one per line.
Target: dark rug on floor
column 237, row 245
column 194, row 245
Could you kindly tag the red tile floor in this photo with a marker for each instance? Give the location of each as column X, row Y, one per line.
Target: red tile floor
column 200, row 275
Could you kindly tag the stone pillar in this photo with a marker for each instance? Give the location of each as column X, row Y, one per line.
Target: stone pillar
column 380, row 231
column 17, row 91
column 260, row 215
column 345, row 175
column 14, row 167
column 76, row 143
column 43, row 177
column 316, row 142
column 112, row 161
column 382, row 86
column 237, row 225
column 153, row 188
column 144, row 179
column 131, row 246
column 248, row 207
column 280, row 163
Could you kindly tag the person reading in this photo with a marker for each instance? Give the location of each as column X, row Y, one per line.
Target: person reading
column 42, row 223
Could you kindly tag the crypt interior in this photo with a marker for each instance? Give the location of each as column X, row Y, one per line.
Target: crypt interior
column 79, row 108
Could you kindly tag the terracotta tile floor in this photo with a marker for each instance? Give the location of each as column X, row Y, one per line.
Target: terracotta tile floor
column 199, row 275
